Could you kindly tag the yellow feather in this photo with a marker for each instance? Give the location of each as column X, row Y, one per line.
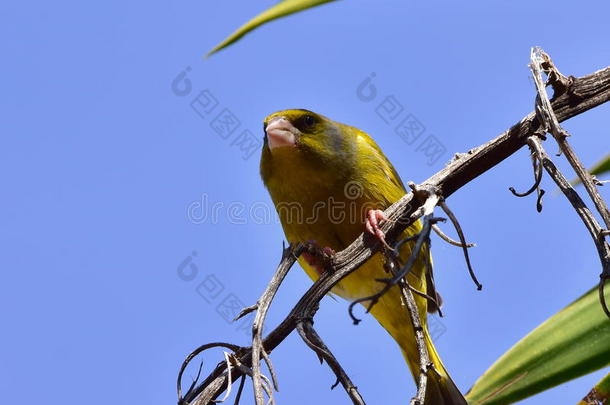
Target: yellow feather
column 332, row 169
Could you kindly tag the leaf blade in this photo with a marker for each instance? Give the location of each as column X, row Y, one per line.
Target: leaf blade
column 571, row 343
column 281, row 9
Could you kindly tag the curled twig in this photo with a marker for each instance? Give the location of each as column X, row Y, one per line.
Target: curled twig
column 537, row 177
column 411, row 238
column 315, row 342
column 460, row 233
column 194, row 354
column 448, row 239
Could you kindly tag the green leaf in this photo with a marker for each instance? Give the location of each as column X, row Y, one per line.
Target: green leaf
column 281, row 9
column 600, row 394
column 600, row 167
column 571, row 343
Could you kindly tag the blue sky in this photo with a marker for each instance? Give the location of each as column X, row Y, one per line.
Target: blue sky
column 101, row 160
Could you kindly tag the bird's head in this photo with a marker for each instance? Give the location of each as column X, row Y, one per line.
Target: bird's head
column 306, row 156
column 301, row 141
column 305, row 133
column 295, row 128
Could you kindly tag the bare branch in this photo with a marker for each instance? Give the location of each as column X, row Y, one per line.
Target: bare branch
column 424, row 356
column 289, row 256
column 269, row 364
column 314, row 341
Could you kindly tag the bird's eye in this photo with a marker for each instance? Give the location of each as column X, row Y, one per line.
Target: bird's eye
column 309, row 120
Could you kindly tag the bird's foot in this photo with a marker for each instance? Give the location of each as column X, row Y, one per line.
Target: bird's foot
column 318, row 257
column 374, row 218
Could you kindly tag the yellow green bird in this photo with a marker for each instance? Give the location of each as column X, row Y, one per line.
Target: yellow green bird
column 329, row 182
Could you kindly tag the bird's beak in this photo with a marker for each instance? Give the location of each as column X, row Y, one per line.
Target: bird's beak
column 280, row 132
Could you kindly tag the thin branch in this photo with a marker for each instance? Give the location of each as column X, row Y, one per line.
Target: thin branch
column 407, row 294
column 315, row 342
column 430, row 286
column 245, row 311
column 242, row 382
column 195, row 380
column 289, row 256
column 422, row 349
column 190, row 357
column 269, row 364
column 447, row 239
column 243, row 370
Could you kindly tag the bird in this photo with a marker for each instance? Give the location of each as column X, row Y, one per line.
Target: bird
column 329, row 182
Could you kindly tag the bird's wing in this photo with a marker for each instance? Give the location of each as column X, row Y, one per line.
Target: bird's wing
column 387, row 187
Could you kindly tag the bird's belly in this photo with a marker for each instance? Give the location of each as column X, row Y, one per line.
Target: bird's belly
column 389, row 310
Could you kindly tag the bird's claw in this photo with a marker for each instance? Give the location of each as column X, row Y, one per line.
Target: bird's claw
column 374, row 218
column 318, row 257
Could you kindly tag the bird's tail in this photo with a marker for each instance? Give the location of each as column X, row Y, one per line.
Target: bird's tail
column 440, row 390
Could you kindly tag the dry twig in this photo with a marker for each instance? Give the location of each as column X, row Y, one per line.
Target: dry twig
column 314, row 341
column 540, row 62
column 289, row 256
column 437, row 229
